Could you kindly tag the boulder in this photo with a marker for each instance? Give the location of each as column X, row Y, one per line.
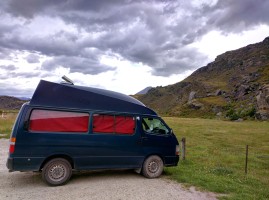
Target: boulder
column 191, row 96
column 219, row 114
column 263, row 103
column 219, row 92
column 195, row 105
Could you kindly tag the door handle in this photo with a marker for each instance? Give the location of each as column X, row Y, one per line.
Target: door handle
column 140, row 141
column 144, row 138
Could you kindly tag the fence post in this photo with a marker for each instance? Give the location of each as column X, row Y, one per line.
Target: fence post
column 183, row 146
column 246, row 164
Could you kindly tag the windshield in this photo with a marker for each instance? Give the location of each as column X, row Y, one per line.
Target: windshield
column 154, row 126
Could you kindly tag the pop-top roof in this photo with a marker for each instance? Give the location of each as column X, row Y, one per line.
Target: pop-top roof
column 78, row 97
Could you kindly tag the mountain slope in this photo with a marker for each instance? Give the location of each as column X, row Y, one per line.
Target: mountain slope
column 235, row 85
column 144, row 91
column 10, row 103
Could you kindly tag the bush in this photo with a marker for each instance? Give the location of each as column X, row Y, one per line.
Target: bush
column 244, row 113
column 232, row 114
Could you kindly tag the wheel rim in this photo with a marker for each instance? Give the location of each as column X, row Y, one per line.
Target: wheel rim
column 57, row 172
column 153, row 166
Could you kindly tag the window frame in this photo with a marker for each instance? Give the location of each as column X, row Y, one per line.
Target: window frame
column 27, row 124
column 114, row 124
column 168, row 133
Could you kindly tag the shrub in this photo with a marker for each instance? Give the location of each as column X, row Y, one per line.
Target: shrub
column 244, row 113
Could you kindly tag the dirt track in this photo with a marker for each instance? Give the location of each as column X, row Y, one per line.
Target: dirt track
column 91, row 185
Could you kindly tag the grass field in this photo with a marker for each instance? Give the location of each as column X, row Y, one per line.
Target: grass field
column 6, row 124
column 215, row 155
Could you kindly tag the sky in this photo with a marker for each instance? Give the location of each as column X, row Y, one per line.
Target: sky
column 120, row 45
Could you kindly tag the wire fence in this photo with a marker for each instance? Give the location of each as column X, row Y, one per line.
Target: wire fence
column 244, row 158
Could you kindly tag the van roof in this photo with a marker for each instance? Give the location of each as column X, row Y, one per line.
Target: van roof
column 79, row 97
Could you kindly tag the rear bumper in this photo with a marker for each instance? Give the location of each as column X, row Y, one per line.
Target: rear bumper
column 24, row 163
column 9, row 164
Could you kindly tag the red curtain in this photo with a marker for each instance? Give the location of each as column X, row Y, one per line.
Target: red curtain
column 103, row 123
column 125, row 125
column 58, row 121
column 113, row 124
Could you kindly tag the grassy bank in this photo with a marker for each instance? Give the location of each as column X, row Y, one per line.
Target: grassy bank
column 215, row 157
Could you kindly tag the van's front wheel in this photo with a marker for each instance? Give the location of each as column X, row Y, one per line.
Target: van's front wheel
column 152, row 167
column 57, row 172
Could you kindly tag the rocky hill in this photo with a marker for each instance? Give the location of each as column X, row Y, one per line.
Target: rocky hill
column 144, row 91
column 235, row 85
column 10, row 103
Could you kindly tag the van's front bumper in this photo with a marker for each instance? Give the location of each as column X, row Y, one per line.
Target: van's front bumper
column 9, row 164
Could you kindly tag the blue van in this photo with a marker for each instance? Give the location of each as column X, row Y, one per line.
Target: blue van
column 66, row 127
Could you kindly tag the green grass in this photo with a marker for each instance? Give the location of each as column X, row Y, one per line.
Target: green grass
column 215, row 158
column 6, row 124
column 215, row 155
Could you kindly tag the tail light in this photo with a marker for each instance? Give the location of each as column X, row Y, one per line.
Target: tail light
column 177, row 150
column 12, row 145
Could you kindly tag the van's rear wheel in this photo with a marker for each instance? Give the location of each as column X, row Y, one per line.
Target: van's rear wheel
column 57, row 172
column 152, row 167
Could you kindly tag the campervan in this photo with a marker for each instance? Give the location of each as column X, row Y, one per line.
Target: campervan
column 66, row 128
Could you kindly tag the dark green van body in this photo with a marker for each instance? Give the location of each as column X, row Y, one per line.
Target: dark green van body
column 95, row 129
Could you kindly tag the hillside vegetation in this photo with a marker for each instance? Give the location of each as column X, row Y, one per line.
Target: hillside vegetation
column 10, row 103
column 235, row 85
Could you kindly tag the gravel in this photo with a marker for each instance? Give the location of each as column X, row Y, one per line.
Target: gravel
column 119, row 185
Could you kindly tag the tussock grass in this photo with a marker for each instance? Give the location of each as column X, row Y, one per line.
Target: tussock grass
column 215, row 158
column 264, row 79
column 216, row 100
column 6, row 124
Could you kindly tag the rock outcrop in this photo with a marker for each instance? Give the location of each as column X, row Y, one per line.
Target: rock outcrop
column 235, row 83
column 263, row 103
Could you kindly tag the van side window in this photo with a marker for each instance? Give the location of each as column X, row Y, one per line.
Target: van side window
column 58, row 121
column 103, row 123
column 154, row 126
column 117, row 124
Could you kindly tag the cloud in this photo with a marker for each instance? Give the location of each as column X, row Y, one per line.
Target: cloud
column 32, row 58
column 11, row 71
column 139, row 31
column 13, row 90
column 31, row 8
column 235, row 16
column 76, row 34
column 8, row 67
column 77, row 64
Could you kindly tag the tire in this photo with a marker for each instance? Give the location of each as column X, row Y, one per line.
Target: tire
column 57, row 172
column 152, row 167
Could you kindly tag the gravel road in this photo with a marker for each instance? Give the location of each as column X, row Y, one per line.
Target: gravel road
column 120, row 185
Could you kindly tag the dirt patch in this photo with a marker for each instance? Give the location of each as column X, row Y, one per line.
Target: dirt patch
column 124, row 184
